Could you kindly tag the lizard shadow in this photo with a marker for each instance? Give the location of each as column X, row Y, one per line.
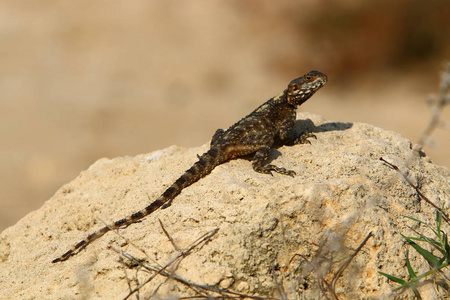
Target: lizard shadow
column 307, row 125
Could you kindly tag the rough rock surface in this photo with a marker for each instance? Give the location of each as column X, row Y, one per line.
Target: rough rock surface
column 268, row 225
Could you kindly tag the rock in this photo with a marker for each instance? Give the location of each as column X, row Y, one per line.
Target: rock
column 269, row 226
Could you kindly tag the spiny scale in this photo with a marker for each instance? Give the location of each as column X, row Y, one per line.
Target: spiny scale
column 254, row 133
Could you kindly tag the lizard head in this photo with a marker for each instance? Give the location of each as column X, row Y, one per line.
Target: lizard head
column 302, row 88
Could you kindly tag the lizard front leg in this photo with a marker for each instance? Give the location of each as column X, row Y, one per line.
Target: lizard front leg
column 289, row 136
column 293, row 139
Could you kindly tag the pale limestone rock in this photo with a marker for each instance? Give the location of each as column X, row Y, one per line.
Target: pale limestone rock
column 341, row 193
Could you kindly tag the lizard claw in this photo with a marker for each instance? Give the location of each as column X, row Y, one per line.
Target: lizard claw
column 291, row 173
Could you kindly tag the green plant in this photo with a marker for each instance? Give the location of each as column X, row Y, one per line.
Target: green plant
column 436, row 261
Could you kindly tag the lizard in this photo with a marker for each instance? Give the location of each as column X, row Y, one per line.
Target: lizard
column 256, row 133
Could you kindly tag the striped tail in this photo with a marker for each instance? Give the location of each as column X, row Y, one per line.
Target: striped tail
column 206, row 163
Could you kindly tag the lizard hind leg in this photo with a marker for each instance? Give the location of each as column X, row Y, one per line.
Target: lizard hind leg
column 260, row 163
column 218, row 134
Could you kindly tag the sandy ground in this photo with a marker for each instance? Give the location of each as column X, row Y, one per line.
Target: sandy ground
column 82, row 82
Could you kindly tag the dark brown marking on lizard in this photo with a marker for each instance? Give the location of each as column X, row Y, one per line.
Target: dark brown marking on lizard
column 254, row 133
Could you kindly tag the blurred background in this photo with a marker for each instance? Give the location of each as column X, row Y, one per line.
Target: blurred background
column 82, row 80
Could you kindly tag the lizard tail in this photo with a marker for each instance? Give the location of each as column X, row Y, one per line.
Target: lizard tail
column 206, row 163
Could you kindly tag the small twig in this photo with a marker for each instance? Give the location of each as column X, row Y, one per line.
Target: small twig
column 175, row 277
column 331, row 286
column 324, row 285
column 129, row 242
column 345, row 265
column 394, row 167
column 206, row 237
column 126, row 275
column 314, row 263
column 175, row 246
column 278, row 283
column 202, row 290
column 444, row 99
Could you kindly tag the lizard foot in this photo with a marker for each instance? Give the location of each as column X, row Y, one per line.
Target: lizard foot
column 304, row 136
column 267, row 169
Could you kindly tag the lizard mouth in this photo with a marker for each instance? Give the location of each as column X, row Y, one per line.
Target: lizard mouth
column 315, row 85
column 308, row 89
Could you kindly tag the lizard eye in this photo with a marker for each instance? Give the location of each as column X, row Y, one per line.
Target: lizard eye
column 308, row 78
